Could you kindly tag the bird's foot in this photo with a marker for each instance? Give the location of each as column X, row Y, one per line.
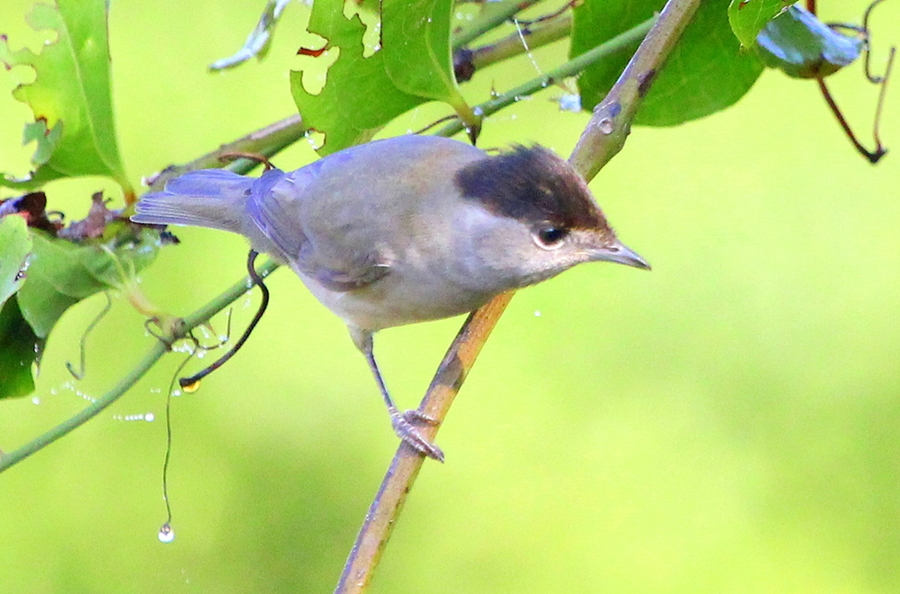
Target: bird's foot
column 406, row 425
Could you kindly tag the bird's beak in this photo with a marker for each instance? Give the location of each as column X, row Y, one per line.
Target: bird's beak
column 621, row 254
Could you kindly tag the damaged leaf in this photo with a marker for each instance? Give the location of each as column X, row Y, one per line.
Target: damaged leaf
column 70, row 97
column 412, row 65
column 33, row 208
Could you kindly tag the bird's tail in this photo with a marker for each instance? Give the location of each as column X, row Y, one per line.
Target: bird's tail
column 212, row 198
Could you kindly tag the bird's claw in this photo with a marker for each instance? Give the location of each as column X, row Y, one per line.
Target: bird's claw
column 405, row 426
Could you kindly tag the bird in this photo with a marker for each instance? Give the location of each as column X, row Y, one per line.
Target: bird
column 405, row 230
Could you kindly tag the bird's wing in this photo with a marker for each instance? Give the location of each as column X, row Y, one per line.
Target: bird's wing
column 282, row 207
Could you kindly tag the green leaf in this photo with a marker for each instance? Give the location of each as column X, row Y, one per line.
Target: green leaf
column 70, row 96
column 706, row 71
column 415, row 37
column 359, row 97
column 63, row 273
column 15, row 245
column 362, row 94
column 748, row 17
column 802, row 46
column 258, row 41
column 19, row 348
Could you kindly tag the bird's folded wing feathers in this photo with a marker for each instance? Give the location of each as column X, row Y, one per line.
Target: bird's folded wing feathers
column 276, row 207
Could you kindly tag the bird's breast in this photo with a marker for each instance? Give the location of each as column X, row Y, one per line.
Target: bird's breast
column 404, row 296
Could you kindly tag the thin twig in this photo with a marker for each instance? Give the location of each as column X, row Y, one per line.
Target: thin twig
column 872, row 156
column 570, row 68
column 401, row 475
column 537, row 35
column 82, row 344
column 257, row 281
column 266, row 141
column 492, row 15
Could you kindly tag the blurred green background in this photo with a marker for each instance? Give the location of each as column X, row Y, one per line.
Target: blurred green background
column 726, row 423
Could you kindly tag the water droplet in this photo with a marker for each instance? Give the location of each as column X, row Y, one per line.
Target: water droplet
column 149, row 417
column 166, row 534
column 176, row 392
column 137, row 417
column 605, row 126
column 85, row 396
column 537, row 314
column 570, row 102
column 35, row 400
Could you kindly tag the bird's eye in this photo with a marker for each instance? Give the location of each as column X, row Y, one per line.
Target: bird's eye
column 550, row 237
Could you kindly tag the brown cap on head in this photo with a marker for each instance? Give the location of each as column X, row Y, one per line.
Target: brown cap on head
column 531, row 184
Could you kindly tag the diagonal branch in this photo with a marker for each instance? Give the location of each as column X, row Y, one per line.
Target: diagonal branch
column 492, row 15
column 610, row 124
column 385, row 509
column 603, row 138
column 573, row 67
column 267, row 141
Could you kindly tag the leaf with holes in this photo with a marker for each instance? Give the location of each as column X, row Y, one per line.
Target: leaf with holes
column 70, row 96
column 706, row 71
column 358, row 98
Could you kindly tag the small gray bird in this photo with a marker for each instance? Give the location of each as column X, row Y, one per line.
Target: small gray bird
column 405, row 230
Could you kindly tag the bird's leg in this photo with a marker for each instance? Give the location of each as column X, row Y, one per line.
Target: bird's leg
column 403, row 423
